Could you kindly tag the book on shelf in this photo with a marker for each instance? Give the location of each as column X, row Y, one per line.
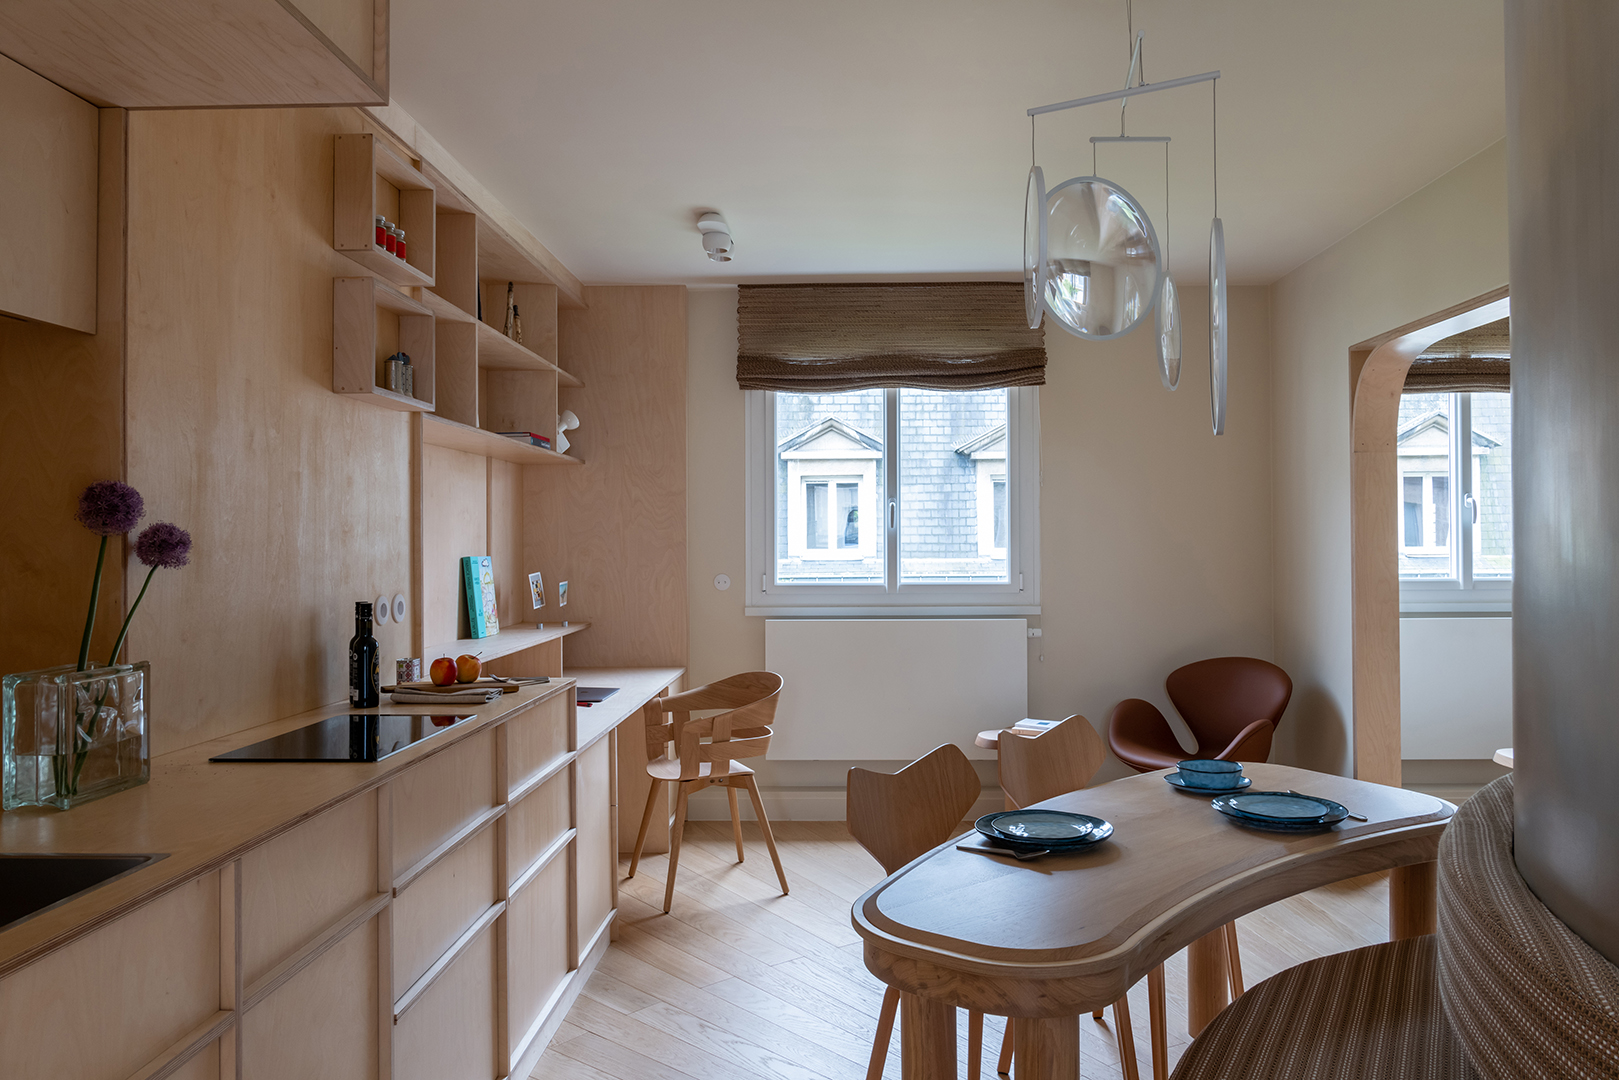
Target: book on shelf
column 478, row 574
column 529, row 437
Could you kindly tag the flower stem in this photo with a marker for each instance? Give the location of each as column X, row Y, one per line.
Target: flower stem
column 123, row 631
column 90, row 619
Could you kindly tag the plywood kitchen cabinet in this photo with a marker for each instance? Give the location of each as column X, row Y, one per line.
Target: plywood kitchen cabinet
column 175, row 54
column 49, row 163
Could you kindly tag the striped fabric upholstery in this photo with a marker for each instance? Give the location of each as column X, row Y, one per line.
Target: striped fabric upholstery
column 1369, row 1014
column 1526, row 996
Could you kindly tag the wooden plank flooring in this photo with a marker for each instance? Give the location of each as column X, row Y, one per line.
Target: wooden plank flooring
column 741, row 982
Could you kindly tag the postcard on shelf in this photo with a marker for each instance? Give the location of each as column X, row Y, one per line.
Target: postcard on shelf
column 478, row 574
column 536, row 590
column 562, row 594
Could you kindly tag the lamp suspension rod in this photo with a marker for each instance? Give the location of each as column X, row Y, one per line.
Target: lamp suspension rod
column 1129, row 138
column 1115, row 95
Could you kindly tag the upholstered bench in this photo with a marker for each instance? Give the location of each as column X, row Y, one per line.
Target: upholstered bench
column 1504, row 991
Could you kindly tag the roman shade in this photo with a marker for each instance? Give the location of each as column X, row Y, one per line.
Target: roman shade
column 936, row 336
column 1477, row 359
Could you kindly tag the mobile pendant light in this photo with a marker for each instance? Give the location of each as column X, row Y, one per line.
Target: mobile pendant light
column 1092, row 259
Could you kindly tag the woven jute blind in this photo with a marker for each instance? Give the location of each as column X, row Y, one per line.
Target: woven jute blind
column 946, row 336
column 1476, row 359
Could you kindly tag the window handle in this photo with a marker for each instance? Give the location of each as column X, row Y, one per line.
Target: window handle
column 1471, row 505
column 891, row 514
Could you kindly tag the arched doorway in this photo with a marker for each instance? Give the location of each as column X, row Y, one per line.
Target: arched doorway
column 1377, row 370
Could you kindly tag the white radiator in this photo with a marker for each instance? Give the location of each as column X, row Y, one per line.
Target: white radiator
column 893, row 689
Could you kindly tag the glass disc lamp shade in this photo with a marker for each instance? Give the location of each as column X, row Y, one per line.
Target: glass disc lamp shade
column 1169, row 335
column 1034, row 246
column 1217, row 326
column 1102, row 268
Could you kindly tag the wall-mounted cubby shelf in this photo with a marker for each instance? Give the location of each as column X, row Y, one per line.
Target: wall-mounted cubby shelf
column 370, row 322
column 511, row 639
column 499, row 352
column 368, row 179
column 443, row 310
column 440, row 431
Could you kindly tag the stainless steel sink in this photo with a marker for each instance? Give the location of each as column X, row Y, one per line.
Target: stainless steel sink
column 30, row 884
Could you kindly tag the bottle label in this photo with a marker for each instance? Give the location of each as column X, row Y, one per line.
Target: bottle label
column 354, row 677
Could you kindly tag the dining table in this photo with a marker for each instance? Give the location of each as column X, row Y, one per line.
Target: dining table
column 1048, row 940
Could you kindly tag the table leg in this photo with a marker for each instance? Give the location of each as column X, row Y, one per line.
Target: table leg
column 927, row 1038
column 1047, row 1048
column 1413, row 900
column 1206, row 986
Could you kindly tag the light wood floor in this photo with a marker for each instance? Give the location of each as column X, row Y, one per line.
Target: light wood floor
column 742, row 983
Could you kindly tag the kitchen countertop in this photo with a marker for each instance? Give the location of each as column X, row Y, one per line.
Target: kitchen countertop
column 203, row 814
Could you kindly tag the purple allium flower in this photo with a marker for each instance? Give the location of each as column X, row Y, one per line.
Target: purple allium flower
column 163, row 544
column 108, row 508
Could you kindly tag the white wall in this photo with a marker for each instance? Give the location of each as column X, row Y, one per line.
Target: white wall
column 1442, row 245
column 1455, row 688
column 1155, row 534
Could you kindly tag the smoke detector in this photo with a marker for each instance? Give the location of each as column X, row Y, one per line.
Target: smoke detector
column 717, row 240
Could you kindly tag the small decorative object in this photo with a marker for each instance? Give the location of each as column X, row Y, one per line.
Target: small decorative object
column 566, row 421
column 397, row 372
column 408, row 670
column 536, row 590
column 511, row 308
column 562, row 594
column 478, row 574
column 517, row 325
column 74, row 733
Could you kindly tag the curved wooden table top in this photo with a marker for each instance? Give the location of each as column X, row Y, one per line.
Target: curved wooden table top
column 1174, row 870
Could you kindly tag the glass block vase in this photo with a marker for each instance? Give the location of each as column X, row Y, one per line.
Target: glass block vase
column 68, row 736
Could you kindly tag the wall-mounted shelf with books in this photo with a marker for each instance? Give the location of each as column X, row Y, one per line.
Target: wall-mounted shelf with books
column 440, row 431
column 511, row 639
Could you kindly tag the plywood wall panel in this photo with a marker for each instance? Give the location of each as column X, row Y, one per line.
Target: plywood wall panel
column 454, row 524
column 615, row 528
column 62, row 413
column 506, row 543
column 297, row 499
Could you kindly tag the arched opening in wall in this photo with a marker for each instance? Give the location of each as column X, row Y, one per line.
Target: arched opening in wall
column 1377, row 375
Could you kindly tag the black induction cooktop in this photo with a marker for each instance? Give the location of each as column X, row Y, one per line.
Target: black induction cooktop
column 354, row 737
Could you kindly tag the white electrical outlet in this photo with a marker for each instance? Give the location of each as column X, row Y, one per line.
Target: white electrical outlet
column 721, row 582
column 1034, row 631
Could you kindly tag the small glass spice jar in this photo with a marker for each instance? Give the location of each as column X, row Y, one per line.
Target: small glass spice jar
column 399, row 242
column 382, row 232
column 390, row 242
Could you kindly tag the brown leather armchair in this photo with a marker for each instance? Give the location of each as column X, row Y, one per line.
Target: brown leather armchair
column 1232, row 705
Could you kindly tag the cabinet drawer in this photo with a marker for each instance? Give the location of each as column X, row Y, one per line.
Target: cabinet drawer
column 535, row 821
column 105, row 1005
column 449, row 1033
column 537, row 943
column 437, row 797
column 322, row 1021
column 598, row 861
column 437, row 907
column 536, row 738
column 299, row 883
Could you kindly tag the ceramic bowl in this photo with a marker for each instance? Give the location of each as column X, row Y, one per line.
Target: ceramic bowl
column 1214, row 775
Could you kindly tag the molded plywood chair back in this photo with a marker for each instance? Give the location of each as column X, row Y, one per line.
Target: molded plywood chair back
column 1231, row 704
column 1055, row 762
column 709, row 751
column 898, row 817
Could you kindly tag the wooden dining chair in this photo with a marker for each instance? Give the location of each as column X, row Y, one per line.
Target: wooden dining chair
column 1034, row 768
column 741, row 730
column 898, row 817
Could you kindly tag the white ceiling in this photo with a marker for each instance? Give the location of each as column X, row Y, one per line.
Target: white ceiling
column 870, row 138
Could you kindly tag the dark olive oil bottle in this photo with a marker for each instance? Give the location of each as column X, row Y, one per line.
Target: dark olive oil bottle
column 365, row 687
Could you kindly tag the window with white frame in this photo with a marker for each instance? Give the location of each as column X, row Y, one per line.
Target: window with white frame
column 893, row 499
column 1454, row 454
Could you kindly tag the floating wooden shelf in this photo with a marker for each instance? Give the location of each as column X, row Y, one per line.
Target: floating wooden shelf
column 496, row 350
column 357, row 357
column 438, row 431
column 511, row 639
column 369, row 179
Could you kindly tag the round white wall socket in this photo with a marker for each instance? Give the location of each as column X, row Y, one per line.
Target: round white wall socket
column 721, row 582
column 380, row 610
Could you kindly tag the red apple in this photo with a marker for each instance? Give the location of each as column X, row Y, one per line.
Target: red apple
column 467, row 668
column 443, row 671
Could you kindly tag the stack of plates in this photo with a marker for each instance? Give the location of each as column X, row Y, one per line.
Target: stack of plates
column 1281, row 811
column 1043, row 830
